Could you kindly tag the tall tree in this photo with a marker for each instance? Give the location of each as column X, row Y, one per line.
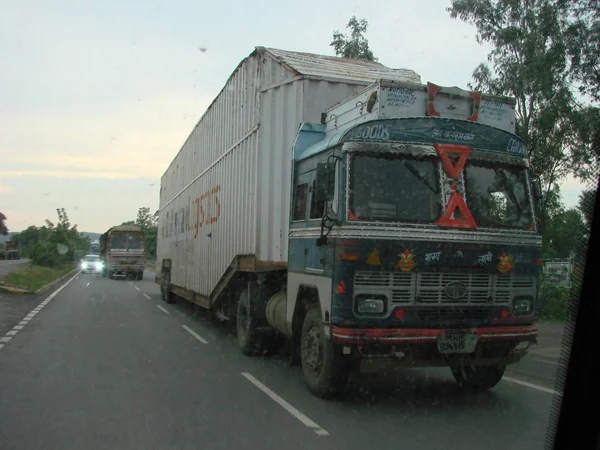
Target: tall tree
column 145, row 219
column 355, row 45
column 581, row 21
column 3, row 228
column 530, row 61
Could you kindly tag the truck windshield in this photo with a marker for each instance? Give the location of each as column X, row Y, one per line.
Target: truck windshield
column 394, row 188
column 136, row 242
column 497, row 195
column 118, row 241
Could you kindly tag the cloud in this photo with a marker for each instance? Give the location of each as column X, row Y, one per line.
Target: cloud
column 5, row 189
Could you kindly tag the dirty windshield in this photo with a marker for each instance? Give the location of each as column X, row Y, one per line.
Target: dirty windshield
column 498, row 196
column 301, row 241
column 394, row 188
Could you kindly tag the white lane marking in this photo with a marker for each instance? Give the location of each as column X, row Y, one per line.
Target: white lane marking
column 87, row 284
column 147, row 296
column 193, row 333
column 1, row 345
column 285, row 405
column 9, row 335
column 163, row 309
column 136, row 288
column 546, row 361
column 531, row 385
column 130, row 283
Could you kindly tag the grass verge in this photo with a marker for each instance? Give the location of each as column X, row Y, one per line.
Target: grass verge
column 32, row 277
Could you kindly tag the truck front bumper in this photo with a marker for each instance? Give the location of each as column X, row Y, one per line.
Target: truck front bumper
column 417, row 347
column 423, row 335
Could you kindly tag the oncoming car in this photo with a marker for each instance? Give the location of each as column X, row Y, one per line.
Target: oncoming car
column 91, row 264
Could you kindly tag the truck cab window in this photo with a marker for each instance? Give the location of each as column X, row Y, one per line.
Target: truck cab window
column 300, row 202
column 317, row 202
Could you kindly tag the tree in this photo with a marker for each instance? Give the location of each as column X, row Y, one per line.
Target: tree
column 586, row 205
column 145, row 219
column 530, row 61
column 3, row 228
column 581, row 21
column 356, row 45
column 563, row 234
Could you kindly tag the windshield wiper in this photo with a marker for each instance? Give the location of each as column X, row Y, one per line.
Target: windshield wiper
column 416, row 173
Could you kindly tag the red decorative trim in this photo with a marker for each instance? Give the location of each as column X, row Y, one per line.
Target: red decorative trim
column 444, row 150
column 419, row 335
column 457, row 201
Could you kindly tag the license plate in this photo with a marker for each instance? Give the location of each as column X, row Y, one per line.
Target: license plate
column 457, row 343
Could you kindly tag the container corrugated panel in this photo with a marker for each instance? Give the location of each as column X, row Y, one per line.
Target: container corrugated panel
column 227, row 192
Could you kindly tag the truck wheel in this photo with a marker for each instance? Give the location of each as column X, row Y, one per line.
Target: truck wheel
column 324, row 369
column 478, row 378
column 248, row 336
column 110, row 274
column 140, row 275
column 165, row 291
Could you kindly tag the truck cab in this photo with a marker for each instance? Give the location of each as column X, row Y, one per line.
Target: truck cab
column 412, row 239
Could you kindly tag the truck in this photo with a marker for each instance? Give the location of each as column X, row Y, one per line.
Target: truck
column 123, row 252
column 95, row 247
column 11, row 250
column 366, row 219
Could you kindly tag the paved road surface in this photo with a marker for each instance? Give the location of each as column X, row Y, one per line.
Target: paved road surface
column 106, row 365
column 9, row 265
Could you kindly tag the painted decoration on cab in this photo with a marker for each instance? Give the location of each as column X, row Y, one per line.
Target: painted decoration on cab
column 373, row 258
column 506, row 263
column 453, row 172
column 406, row 263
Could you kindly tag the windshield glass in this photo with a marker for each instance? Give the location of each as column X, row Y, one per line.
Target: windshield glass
column 497, row 195
column 136, row 242
column 91, row 258
column 118, row 241
column 394, row 188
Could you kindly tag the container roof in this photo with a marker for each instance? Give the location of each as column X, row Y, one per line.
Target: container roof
column 344, row 69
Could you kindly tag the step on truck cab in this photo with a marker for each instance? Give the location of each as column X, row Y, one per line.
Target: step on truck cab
column 395, row 227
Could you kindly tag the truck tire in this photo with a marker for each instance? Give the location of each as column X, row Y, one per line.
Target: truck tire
column 478, row 378
column 110, row 274
column 324, row 369
column 165, row 291
column 140, row 275
column 249, row 339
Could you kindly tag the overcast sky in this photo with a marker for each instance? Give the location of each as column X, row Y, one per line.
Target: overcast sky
column 96, row 98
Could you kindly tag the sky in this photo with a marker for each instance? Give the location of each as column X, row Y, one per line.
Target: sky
column 96, row 98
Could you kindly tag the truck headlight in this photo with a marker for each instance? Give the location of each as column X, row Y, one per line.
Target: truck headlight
column 371, row 304
column 522, row 306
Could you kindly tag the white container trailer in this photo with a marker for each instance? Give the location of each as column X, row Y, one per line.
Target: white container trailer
column 225, row 198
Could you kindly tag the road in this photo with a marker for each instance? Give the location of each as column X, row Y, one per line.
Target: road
column 9, row 265
column 105, row 364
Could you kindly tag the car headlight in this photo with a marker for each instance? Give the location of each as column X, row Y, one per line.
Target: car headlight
column 522, row 306
column 371, row 304
column 98, row 265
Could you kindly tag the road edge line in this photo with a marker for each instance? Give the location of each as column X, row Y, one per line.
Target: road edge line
column 306, row 421
column 12, row 333
column 531, row 385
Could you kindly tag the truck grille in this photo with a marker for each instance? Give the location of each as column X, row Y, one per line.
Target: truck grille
column 454, row 313
column 430, row 288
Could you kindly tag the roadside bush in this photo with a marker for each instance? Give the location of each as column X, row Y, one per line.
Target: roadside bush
column 554, row 302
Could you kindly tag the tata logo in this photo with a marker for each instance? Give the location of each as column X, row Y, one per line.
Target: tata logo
column 455, row 290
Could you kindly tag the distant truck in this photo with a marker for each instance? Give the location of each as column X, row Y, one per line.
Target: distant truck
column 366, row 217
column 11, row 250
column 123, row 252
